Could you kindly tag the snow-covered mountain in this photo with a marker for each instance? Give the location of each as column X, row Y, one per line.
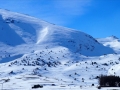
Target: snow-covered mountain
column 112, row 42
column 18, row 29
column 33, row 51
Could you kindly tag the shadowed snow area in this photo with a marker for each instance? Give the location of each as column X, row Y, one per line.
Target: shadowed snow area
column 8, row 35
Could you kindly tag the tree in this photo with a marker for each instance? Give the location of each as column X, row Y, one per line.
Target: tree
column 109, row 81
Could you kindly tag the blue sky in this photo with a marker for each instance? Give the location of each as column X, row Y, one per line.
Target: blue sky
column 99, row 18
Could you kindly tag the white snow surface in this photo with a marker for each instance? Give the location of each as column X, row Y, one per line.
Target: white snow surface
column 33, row 52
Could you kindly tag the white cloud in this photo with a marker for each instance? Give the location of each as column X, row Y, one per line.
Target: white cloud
column 72, row 7
column 62, row 12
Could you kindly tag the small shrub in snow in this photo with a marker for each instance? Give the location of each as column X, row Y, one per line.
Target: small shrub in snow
column 92, row 84
column 75, row 73
column 11, row 72
column 7, row 80
column 53, row 85
column 105, row 64
column 97, row 77
column 75, row 79
column 37, row 86
column 99, row 87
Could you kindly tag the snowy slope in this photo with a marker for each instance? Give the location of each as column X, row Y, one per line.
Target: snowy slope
column 112, row 42
column 70, row 75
